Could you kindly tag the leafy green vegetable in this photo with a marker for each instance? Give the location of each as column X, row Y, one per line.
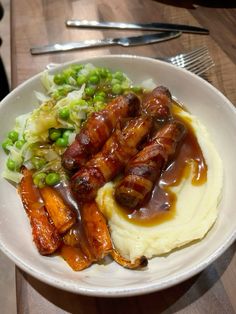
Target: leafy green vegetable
column 39, row 138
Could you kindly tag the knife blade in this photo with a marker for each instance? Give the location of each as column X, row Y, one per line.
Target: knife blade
column 137, row 26
column 122, row 41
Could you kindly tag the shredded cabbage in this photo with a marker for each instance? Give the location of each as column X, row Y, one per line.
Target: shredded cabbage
column 68, row 91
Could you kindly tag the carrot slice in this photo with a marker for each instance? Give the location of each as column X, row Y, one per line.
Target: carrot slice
column 138, row 263
column 45, row 235
column 96, row 230
column 75, row 257
column 61, row 214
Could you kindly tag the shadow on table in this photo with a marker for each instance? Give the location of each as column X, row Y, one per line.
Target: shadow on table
column 4, row 87
column 192, row 4
column 170, row 300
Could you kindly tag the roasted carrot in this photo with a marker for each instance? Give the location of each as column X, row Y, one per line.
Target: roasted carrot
column 75, row 257
column 138, row 263
column 76, row 237
column 88, row 240
column 61, row 214
column 45, row 235
column 96, row 230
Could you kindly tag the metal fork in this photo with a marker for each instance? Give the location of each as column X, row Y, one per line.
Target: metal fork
column 197, row 61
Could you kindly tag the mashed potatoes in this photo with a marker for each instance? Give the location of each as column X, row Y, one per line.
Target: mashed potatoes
column 196, row 209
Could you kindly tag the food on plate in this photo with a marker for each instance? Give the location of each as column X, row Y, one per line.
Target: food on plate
column 97, row 130
column 157, row 104
column 105, row 168
column 110, row 161
column 183, row 205
column 88, row 240
column 96, row 230
column 145, row 168
column 61, row 214
column 46, row 236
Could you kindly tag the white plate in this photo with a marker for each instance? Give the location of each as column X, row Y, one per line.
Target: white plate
column 201, row 99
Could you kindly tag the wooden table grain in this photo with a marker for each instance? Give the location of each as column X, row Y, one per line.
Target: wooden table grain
column 38, row 22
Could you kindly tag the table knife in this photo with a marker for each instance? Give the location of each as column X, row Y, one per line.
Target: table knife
column 122, row 41
column 137, row 26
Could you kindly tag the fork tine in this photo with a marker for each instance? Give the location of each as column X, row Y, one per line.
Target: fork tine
column 203, row 68
column 190, row 54
column 197, row 61
column 189, row 58
column 200, row 67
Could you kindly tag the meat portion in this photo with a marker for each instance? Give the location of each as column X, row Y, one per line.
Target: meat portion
column 145, row 168
column 98, row 129
column 157, row 104
column 115, row 154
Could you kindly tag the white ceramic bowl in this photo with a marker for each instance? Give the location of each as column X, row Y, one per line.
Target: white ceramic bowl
column 201, row 99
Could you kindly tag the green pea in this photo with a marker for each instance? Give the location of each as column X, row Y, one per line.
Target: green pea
column 13, row 135
column 11, row 164
column 59, row 79
column 101, row 93
column 137, row 89
column 6, row 143
column 64, row 113
column 82, row 79
column 98, row 98
column 66, row 134
column 54, row 134
column 52, row 178
column 38, row 162
column 93, row 79
column 19, row 144
column 39, row 179
column 77, row 67
column 116, row 89
column 70, row 72
column 119, row 76
column 89, row 91
column 103, row 72
column 62, row 142
column 108, row 77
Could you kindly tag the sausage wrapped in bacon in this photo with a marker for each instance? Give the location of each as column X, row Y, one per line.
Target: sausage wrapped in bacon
column 145, row 168
column 158, row 104
column 115, row 154
column 98, row 129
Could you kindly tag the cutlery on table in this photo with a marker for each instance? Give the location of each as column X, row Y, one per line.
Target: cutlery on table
column 137, row 26
column 197, row 61
column 121, row 41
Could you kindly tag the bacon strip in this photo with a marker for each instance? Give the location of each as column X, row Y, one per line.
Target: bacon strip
column 115, row 154
column 45, row 235
column 157, row 104
column 98, row 129
column 145, row 168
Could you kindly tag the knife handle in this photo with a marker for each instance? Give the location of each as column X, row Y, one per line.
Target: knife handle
column 96, row 24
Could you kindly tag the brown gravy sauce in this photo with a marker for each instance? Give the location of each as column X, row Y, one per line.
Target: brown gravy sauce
column 162, row 204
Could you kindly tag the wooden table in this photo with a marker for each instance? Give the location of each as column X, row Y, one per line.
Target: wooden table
column 36, row 22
